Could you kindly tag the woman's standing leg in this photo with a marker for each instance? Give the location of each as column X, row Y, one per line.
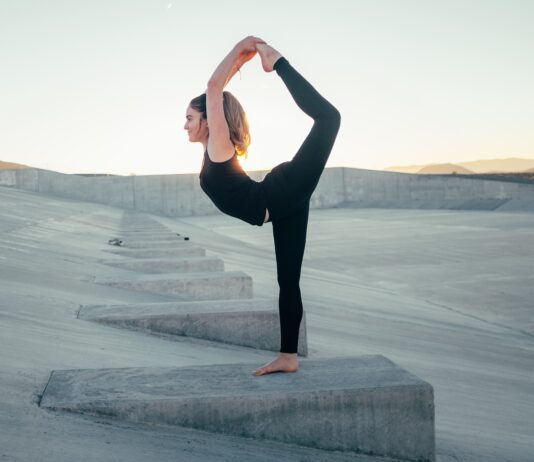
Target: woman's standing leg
column 289, row 243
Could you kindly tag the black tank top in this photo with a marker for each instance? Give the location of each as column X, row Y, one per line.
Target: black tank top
column 232, row 191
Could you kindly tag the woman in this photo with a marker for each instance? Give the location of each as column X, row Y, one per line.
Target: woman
column 217, row 120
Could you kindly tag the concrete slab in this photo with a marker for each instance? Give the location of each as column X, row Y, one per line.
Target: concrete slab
column 156, row 244
column 364, row 403
column 170, row 265
column 154, row 235
column 186, row 250
column 189, row 286
column 253, row 323
column 152, row 227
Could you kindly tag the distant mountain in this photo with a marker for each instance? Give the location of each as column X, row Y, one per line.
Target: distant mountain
column 405, row 168
column 511, row 164
column 10, row 165
column 445, row 169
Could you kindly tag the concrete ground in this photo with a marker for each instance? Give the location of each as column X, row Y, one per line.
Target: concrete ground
column 446, row 295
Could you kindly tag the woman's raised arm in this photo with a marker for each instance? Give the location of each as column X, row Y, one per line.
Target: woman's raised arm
column 220, row 146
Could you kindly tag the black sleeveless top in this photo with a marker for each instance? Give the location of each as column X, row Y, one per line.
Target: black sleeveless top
column 232, row 191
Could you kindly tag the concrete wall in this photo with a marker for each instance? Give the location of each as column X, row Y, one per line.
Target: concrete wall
column 180, row 195
column 370, row 188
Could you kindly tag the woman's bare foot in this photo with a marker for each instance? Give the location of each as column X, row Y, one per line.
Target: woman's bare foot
column 268, row 55
column 285, row 362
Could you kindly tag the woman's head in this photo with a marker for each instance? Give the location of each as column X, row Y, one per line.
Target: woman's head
column 235, row 118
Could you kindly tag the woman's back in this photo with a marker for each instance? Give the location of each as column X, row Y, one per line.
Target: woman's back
column 232, row 190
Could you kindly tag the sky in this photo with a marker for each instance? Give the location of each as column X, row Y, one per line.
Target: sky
column 102, row 86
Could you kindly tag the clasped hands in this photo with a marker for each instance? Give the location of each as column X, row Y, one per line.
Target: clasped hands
column 246, row 49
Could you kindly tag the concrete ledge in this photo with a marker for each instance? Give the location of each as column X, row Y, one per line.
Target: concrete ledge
column 180, row 195
column 146, row 228
column 190, row 286
column 430, row 204
column 253, row 323
column 156, row 244
column 173, row 265
column 157, row 235
column 186, row 250
column 366, row 404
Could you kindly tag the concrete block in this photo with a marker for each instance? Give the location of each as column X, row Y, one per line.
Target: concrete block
column 253, row 323
column 154, row 235
column 185, row 251
column 143, row 229
column 190, row 286
column 365, row 403
column 155, row 244
column 170, row 265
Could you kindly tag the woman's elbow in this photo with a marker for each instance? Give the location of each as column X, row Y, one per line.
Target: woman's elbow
column 214, row 86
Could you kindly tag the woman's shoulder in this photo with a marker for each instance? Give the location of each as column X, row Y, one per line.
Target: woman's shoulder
column 206, row 154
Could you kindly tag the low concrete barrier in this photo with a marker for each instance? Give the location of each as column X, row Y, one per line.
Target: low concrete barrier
column 171, row 265
column 180, row 195
column 190, row 286
column 155, row 244
column 154, row 235
column 182, row 251
column 253, row 323
column 366, row 403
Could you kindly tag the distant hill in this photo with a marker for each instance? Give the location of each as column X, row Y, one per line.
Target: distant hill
column 530, row 170
column 445, row 169
column 10, row 165
column 405, row 168
column 511, row 164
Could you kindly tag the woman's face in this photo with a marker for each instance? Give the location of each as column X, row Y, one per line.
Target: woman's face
column 196, row 126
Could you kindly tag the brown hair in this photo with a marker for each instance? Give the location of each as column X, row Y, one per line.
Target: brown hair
column 235, row 118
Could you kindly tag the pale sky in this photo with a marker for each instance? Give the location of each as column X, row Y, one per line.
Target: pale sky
column 103, row 85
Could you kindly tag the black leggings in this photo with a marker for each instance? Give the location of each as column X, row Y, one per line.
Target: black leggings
column 289, row 187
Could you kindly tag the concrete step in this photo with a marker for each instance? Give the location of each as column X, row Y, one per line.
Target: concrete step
column 134, row 225
column 182, row 251
column 169, row 265
column 158, row 236
column 154, row 244
column 253, row 323
column 189, row 286
column 144, row 229
column 365, row 403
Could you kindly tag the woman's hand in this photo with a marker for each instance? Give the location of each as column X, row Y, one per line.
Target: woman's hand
column 246, row 49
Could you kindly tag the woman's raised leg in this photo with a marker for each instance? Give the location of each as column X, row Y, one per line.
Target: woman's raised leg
column 301, row 175
column 307, row 165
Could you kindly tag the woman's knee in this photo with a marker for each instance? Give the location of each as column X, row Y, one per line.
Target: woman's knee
column 289, row 284
column 331, row 123
column 330, row 115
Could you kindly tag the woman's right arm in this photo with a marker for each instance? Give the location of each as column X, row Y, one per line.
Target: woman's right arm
column 220, row 147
